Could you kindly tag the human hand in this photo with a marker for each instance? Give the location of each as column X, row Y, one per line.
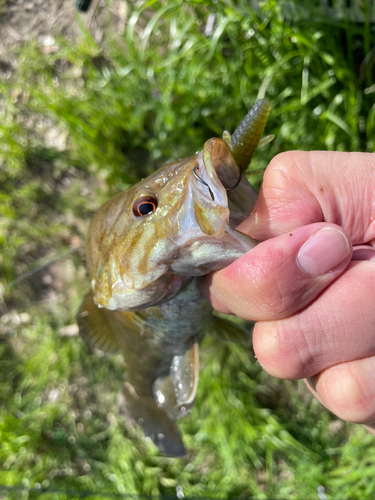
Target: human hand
column 310, row 284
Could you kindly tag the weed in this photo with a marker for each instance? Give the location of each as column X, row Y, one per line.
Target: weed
column 83, row 123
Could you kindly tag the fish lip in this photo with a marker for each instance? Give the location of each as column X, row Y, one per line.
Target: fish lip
column 207, row 182
column 216, row 171
column 205, row 202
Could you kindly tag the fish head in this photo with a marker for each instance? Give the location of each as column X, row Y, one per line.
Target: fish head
column 147, row 241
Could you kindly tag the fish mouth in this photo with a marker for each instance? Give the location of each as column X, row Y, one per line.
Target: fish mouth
column 220, row 164
column 214, row 173
column 205, row 241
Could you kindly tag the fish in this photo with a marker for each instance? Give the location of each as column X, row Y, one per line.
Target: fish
column 148, row 250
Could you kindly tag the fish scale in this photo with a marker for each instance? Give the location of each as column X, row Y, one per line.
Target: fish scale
column 147, row 270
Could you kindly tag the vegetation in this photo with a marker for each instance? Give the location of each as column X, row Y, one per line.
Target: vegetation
column 81, row 123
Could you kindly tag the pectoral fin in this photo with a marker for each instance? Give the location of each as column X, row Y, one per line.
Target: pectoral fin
column 95, row 326
column 176, row 393
column 185, row 376
column 156, row 424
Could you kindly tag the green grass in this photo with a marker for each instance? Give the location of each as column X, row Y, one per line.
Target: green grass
column 155, row 92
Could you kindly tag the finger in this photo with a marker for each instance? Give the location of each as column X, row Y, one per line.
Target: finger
column 339, row 326
column 281, row 275
column 348, row 390
column 300, row 188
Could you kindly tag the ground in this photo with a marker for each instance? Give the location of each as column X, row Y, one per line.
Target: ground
column 43, row 20
column 83, row 120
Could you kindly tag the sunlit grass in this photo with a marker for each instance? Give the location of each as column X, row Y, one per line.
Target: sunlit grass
column 155, row 92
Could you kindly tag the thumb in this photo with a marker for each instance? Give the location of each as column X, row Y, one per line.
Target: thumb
column 282, row 275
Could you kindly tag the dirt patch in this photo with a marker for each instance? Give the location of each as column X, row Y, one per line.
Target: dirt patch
column 24, row 20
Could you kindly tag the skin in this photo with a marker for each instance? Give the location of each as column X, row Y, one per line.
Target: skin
column 314, row 310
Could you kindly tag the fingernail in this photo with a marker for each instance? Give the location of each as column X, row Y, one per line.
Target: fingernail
column 323, row 252
column 363, row 252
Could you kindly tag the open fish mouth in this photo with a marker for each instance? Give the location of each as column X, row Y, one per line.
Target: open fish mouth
column 205, row 241
column 217, row 170
column 206, row 210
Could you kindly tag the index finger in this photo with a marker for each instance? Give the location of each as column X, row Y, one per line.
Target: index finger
column 301, row 188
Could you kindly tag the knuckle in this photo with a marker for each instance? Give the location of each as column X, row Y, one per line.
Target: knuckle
column 277, row 174
column 268, row 295
column 283, row 168
column 276, row 353
column 275, row 294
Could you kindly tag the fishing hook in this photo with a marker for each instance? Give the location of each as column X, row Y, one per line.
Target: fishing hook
column 238, row 181
column 202, row 181
column 209, row 189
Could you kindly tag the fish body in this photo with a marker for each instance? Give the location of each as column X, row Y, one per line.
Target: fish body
column 148, row 250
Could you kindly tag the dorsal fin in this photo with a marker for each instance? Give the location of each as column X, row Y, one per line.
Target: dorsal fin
column 95, row 327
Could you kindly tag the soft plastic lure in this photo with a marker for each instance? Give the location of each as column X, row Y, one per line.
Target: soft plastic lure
column 247, row 136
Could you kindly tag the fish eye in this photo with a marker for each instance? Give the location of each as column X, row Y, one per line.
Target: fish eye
column 144, row 206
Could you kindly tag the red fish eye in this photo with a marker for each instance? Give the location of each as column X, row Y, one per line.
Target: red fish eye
column 144, row 206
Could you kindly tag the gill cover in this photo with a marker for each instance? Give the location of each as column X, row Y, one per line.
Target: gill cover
column 139, row 261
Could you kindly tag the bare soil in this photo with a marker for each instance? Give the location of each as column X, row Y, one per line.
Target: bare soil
column 42, row 20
